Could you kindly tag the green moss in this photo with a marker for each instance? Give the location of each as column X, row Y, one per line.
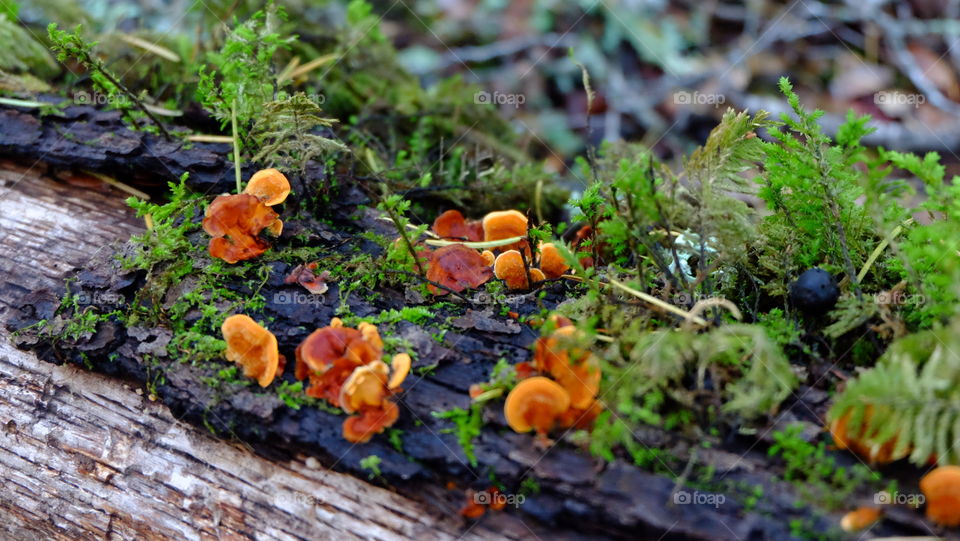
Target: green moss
column 372, row 464
column 467, row 425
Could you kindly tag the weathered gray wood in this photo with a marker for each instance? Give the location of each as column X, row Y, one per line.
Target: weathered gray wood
column 83, row 456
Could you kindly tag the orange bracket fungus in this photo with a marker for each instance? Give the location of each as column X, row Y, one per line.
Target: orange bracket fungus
column 329, row 355
column 457, row 267
column 941, row 487
column 535, row 404
column 252, row 347
column 551, row 262
column 509, row 268
column 235, row 223
column 505, row 224
column 269, row 186
column 366, row 393
column 344, row 368
column 452, row 225
column 576, row 369
column 306, row 276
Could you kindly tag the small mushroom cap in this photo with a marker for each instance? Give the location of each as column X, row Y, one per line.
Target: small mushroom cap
column 269, row 186
column 305, row 275
column 366, row 387
column 536, row 275
column 504, row 224
column 252, row 347
column 488, row 258
column 941, row 487
column 509, row 268
column 551, row 262
column 276, row 228
column 860, row 518
column 399, row 367
column 360, row 428
column 535, row 403
column 457, row 267
column 370, row 334
column 452, row 225
column 324, row 346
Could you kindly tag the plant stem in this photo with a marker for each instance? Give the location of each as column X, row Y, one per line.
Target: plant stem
column 99, row 67
column 236, row 145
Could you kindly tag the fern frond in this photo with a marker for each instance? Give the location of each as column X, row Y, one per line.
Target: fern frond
column 912, row 397
column 286, row 134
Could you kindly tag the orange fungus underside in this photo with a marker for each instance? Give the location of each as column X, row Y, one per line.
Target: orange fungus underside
column 457, row 267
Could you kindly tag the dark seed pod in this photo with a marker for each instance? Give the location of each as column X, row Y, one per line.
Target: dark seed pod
column 814, row 291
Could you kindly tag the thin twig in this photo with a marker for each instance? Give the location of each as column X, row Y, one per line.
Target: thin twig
column 425, row 280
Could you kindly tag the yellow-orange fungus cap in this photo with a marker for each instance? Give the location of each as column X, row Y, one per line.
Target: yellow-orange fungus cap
column 252, row 347
column 551, row 262
column 269, row 186
column 509, row 268
column 535, row 403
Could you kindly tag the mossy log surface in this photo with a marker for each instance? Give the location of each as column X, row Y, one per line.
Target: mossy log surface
column 578, row 493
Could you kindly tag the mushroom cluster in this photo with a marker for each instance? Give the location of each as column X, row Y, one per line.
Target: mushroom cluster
column 458, row 267
column 344, row 367
column 478, row 502
column 253, row 347
column 235, row 221
column 564, row 393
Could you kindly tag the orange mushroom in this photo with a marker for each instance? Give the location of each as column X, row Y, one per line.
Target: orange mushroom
column 235, row 223
column 269, row 186
column 365, row 388
column 581, row 417
column 457, row 267
column 276, row 228
column 252, row 347
column 941, row 488
column 576, row 369
column 509, row 268
column 366, row 393
column 305, row 276
column 505, row 224
column 535, row 404
column 399, row 369
column 329, row 355
column 860, row 518
column 452, row 225
column 368, row 422
column 551, row 261
column 488, row 258
column 473, row 508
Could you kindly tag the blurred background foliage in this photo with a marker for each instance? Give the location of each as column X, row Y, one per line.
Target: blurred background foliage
column 664, row 71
